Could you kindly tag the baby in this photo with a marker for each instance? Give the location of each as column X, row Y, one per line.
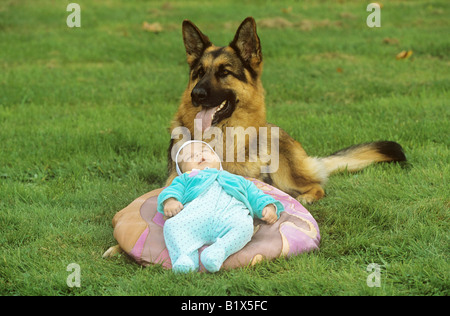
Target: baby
column 207, row 205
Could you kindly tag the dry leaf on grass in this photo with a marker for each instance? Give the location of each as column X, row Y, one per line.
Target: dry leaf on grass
column 276, row 22
column 287, row 10
column 390, row 41
column 404, row 54
column 153, row 27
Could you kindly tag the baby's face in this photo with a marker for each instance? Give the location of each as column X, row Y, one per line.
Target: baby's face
column 197, row 156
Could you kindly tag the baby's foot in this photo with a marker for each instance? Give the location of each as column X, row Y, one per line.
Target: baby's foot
column 184, row 264
column 212, row 258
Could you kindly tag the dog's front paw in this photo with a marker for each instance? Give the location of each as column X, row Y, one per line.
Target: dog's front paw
column 112, row 251
column 312, row 195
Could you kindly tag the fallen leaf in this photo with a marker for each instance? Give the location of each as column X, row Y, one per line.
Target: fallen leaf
column 404, row 54
column 390, row 41
column 167, row 6
column 277, row 22
column 347, row 15
column 153, row 27
column 339, row 69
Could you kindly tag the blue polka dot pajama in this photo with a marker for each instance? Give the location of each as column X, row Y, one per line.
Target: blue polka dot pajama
column 214, row 218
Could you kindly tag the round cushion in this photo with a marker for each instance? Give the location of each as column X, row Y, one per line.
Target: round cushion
column 138, row 228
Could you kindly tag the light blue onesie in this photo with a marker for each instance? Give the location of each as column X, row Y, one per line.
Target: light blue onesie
column 213, row 217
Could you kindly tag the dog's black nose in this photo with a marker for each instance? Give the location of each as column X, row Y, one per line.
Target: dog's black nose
column 199, row 95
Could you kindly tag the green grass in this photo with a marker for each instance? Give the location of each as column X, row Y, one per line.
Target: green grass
column 84, row 117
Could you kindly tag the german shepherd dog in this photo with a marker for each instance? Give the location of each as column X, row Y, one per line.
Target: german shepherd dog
column 225, row 90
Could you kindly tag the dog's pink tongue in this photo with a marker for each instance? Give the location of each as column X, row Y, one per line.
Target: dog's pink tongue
column 204, row 119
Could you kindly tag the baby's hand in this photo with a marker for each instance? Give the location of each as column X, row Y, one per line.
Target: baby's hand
column 269, row 214
column 172, row 207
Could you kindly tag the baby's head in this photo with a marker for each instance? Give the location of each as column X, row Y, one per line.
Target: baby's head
column 196, row 154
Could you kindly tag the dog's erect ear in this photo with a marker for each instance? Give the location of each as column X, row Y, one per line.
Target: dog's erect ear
column 194, row 41
column 246, row 43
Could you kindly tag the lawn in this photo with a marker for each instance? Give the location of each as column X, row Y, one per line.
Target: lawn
column 84, row 117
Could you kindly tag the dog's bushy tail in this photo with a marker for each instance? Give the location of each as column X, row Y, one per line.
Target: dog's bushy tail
column 357, row 157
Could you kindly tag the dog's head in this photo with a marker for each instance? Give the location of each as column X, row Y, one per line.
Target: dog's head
column 223, row 79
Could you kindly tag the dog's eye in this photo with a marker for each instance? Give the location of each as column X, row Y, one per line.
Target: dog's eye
column 223, row 73
column 198, row 73
column 201, row 72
